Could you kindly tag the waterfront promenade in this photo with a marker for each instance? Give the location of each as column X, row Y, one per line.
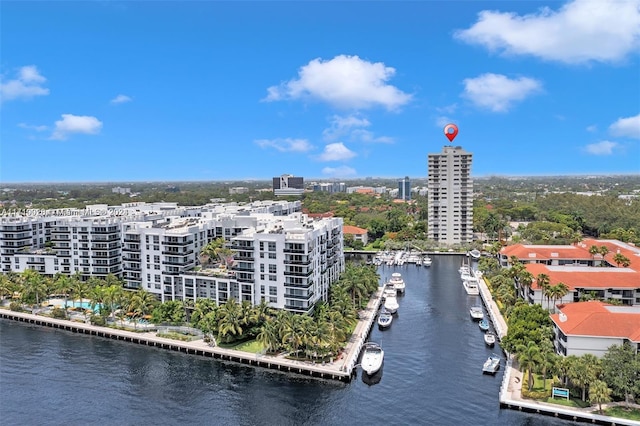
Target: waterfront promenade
column 340, row 369
column 511, row 388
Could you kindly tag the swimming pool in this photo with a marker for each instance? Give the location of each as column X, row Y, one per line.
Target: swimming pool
column 83, row 305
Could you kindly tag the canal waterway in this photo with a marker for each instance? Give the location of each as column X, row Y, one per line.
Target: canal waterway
column 431, row 375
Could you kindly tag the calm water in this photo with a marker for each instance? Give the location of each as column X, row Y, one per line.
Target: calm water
column 431, row 376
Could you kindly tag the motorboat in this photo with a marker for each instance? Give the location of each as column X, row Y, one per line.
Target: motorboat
column 471, row 286
column 389, row 291
column 491, row 365
column 484, row 324
column 372, row 358
column 426, row 261
column 385, row 318
column 397, row 282
column 489, row 339
column 474, row 254
column 391, row 304
column 476, row 313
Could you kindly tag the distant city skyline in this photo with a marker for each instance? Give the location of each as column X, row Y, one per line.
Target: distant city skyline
column 220, row 91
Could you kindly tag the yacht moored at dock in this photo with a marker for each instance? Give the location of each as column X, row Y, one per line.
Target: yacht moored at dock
column 372, row 358
column 397, row 282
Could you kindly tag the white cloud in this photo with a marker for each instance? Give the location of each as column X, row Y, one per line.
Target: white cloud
column 345, row 82
column 76, row 124
column 626, row 127
column 442, row 121
column 285, row 144
column 592, row 128
column 339, row 172
column 33, row 127
column 336, row 152
column 601, row 148
column 448, row 109
column 579, row 31
column 497, row 92
column 27, row 85
column 121, row 99
column 353, row 128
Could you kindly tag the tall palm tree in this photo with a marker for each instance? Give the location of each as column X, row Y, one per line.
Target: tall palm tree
column 543, row 281
column 529, row 358
column 230, row 320
column 593, row 250
column 548, row 359
column 621, row 259
column 525, row 279
column 268, row 336
column 558, row 291
column 79, row 291
column 599, row 393
column 142, row 303
column 604, row 251
column 584, row 371
column 6, row 287
column 34, row 286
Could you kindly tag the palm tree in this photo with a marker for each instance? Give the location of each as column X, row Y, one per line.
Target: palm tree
column 230, row 320
column 34, row 286
column 593, row 250
column 543, row 281
column 548, row 359
column 268, row 336
column 599, row 392
column 529, row 358
column 621, row 259
column 142, row 303
column 584, row 371
column 79, row 291
column 558, row 291
column 604, row 251
column 97, row 297
column 113, row 296
column 6, row 287
column 525, row 279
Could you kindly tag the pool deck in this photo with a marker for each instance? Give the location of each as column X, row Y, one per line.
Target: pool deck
column 341, row 369
column 511, row 388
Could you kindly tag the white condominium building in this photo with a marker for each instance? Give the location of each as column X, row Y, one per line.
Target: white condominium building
column 450, row 196
column 280, row 254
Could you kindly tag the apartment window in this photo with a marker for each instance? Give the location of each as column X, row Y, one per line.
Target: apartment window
column 273, row 300
column 148, row 258
column 157, row 286
column 262, row 277
column 75, row 262
column 261, row 245
column 156, row 259
column 75, row 246
column 261, row 255
column 156, row 278
column 156, row 247
column 262, row 289
column 262, row 267
column 146, row 238
column 273, row 269
column 272, row 246
column 272, row 255
column 148, row 277
column 273, row 278
column 273, row 291
column 156, row 267
column 156, row 239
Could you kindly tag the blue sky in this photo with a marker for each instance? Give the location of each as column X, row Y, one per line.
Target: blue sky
column 140, row 91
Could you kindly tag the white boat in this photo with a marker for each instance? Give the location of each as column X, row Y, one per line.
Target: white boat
column 426, row 261
column 372, row 358
column 476, row 313
column 391, row 304
column 389, row 291
column 397, row 282
column 471, row 286
column 491, row 365
column 385, row 318
column 474, row 254
column 489, row 338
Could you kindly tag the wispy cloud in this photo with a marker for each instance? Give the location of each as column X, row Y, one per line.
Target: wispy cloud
column 592, row 128
column 285, row 144
column 602, row 31
column 336, row 152
column 339, row 172
column 626, row 127
column 26, row 85
column 71, row 124
column 601, row 148
column 352, row 127
column 33, row 127
column 344, row 82
column 497, row 92
column 120, row 99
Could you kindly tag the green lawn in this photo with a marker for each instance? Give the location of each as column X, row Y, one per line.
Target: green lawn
column 251, row 346
column 631, row 414
column 573, row 402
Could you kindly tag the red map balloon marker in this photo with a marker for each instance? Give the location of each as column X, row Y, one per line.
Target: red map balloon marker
column 451, row 131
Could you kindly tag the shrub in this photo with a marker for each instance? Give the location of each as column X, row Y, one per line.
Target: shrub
column 97, row 320
column 543, row 395
column 15, row 306
column 58, row 313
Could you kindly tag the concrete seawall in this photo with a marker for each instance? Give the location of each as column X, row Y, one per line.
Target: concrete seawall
column 333, row 370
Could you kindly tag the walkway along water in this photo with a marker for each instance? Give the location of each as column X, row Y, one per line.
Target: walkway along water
column 336, row 370
column 510, row 391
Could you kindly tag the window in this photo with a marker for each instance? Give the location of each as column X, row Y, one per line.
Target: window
column 273, row 300
column 262, row 289
column 272, row 255
column 261, row 255
column 156, row 259
column 156, row 267
column 262, row 267
column 273, row 291
column 156, row 247
column 273, row 269
column 261, row 245
column 147, row 238
column 261, row 276
column 272, row 246
column 273, row 278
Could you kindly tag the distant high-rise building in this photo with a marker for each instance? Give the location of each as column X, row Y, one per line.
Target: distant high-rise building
column 450, row 195
column 404, row 189
column 288, row 185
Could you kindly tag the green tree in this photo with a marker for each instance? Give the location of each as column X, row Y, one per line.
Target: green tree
column 621, row 370
column 599, row 393
column 621, row 259
column 529, row 358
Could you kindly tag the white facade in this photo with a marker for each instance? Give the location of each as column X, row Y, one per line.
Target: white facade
column 280, row 254
column 450, row 196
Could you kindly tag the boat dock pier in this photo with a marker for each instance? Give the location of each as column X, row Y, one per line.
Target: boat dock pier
column 510, row 395
column 336, row 370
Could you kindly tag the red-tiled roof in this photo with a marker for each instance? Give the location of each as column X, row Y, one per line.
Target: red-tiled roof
column 539, row 252
column 320, row 215
column 629, row 251
column 587, row 277
column 353, row 230
column 594, row 319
